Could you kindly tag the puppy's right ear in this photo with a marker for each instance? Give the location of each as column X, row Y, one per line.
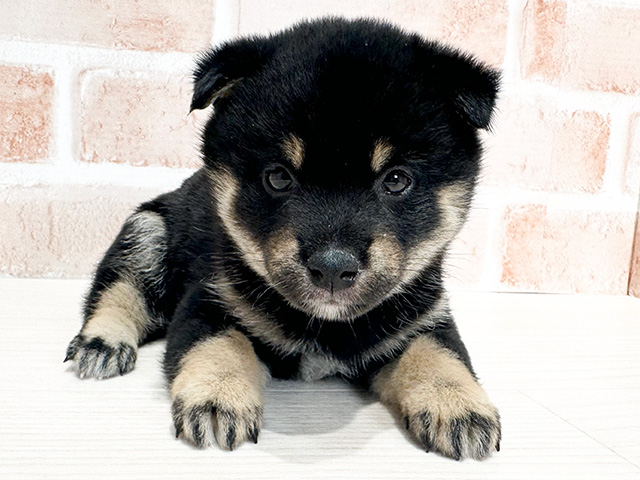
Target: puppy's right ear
column 218, row 70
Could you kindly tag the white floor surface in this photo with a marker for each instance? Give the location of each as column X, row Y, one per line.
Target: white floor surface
column 563, row 370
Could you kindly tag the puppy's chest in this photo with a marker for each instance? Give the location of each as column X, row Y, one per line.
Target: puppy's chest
column 314, row 366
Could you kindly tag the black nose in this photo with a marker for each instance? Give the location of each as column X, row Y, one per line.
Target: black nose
column 333, row 269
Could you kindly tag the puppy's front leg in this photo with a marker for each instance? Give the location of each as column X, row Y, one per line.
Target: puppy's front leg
column 216, row 379
column 440, row 401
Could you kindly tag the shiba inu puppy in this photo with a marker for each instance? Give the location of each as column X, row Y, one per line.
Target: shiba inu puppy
column 340, row 160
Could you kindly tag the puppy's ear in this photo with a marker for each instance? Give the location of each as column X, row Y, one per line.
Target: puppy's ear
column 218, row 70
column 475, row 91
column 471, row 86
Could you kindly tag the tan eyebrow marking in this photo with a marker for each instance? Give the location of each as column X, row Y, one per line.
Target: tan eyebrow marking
column 293, row 148
column 380, row 156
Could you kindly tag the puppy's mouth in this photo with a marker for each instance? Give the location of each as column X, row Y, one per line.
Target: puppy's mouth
column 333, row 283
column 327, row 305
column 297, row 287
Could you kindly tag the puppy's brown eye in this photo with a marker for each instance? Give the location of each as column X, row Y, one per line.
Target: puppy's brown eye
column 396, row 182
column 278, row 179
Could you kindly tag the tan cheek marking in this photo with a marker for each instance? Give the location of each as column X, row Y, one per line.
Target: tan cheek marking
column 293, row 148
column 120, row 315
column 225, row 190
column 282, row 250
column 385, row 255
column 453, row 202
column 381, row 154
column 224, row 370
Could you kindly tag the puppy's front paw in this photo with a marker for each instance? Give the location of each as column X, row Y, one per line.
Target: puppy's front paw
column 457, row 434
column 440, row 400
column 452, row 416
column 217, row 393
column 94, row 357
column 201, row 423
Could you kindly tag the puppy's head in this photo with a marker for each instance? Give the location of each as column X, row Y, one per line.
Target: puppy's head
column 343, row 156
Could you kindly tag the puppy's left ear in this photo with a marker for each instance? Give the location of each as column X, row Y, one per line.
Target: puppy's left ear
column 471, row 86
column 475, row 91
column 218, row 70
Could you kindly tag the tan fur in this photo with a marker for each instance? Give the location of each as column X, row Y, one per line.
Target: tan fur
column 385, row 255
column 219, row 391
column 430, row 378
column 429, row 374
column 282, row 251
column 253, row 319
column 381, row 154
column 452, row 201
column 293, row 148
column 120, row 316
column 225, row 190
column 223, row 369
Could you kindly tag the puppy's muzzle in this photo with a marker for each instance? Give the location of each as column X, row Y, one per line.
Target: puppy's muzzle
column 333, row 269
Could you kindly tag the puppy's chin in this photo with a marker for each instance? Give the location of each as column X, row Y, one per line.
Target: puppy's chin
column 331, row 311
column 341, row 306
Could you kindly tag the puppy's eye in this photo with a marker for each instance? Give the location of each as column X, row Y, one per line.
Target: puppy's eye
column 396, row 182
column 278, row 179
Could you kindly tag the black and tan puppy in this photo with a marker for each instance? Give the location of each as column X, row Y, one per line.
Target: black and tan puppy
column 340, row 160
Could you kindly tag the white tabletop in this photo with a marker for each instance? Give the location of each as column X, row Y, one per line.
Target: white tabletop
column 563, row 370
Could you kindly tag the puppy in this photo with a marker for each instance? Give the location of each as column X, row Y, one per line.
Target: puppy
column 339, row 163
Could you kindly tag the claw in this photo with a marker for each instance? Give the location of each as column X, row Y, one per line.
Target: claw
column 254, row 435
column 456, row 433
column 196, row 433
column 231, row 437
column 426, row 442
column 498, row 446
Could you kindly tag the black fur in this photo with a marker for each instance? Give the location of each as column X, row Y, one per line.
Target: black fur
column 95, row 357
column 339, row 86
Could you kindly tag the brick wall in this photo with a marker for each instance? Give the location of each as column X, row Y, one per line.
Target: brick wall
column 94, row 99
